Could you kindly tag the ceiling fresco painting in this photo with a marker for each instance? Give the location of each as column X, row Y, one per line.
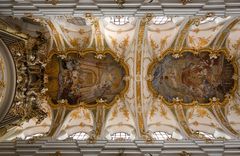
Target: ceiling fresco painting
column 193, row 77
column 133, row 77
column 84, row 78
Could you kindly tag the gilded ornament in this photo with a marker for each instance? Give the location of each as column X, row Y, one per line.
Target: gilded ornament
column 236, row 109
column 198, row 20
column 145, row 20
column 217, row 110
column 163, row 42
column 235, row 77
column 201, row 112
column 222, row 37
column 184, row 2
column 153, row 44
column 184, row 153
column 120, row 3
column 147, row 137
column 236, row 45
column 101, row 101
column 53, row 2
column 100, row 56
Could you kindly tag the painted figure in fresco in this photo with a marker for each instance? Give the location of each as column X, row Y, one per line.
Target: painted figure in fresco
column 86, row 79
column 193, row 78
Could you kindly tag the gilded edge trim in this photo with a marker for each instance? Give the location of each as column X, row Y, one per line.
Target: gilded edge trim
column 183, row 123
column 82, row 53
column 138, row 82
column 216, row 109
column 221, row 39
column 195, row 52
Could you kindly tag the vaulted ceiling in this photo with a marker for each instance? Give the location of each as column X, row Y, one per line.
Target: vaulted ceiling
column 102, row 74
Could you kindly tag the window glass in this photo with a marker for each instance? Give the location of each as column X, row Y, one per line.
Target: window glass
column 161, row 19
column 119, row 20
column 161, row 135
column 79, row 136
column 120, row 136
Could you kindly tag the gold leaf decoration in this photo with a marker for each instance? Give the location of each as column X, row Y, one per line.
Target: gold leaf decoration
column 163, row 42
column 153, row 44
column 81, row 125
column 236, row 45
column 202, row 113
column 163, row 112
column 75, row 115
column 236, row 109
column 191, row 40
column 190, row 115
column 114, row 113
column 125, row 112
column 154, row 109
column 196, row 30
column 74, row 42
column 124, row 44
column 203, row 41
column 87, row 115
column 114, row 42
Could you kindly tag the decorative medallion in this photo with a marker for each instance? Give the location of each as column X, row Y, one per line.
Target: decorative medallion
column 87, row 78
column 191, row 76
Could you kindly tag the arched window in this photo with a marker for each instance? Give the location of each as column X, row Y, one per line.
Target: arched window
column 119, row 20
column 79, row 136
column 159, row 135
column 161, row 20
column 209, row 19
column 207, row 135
column 31, row 136
column 120, row 136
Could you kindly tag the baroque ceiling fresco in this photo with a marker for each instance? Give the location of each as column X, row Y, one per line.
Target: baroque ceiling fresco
column 84, row 78
column 101, row 76
column 193, row 78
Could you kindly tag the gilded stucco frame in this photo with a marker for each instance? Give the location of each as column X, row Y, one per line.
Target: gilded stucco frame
column 177, row 54
column 82, row 53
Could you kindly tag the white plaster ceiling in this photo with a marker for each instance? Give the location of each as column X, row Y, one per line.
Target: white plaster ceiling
column 157, row 116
